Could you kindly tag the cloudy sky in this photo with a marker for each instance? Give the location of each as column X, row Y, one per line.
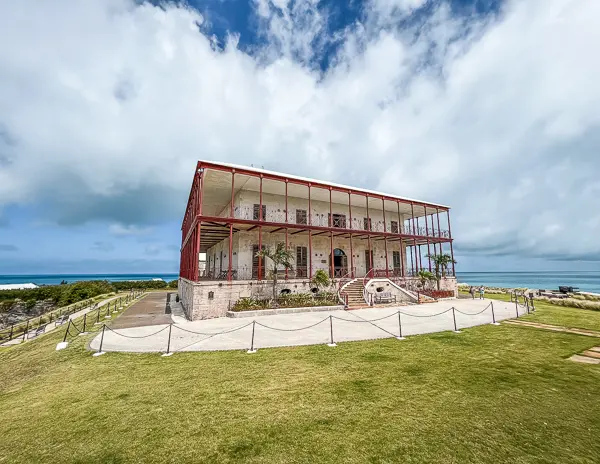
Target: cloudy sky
column 491, row 107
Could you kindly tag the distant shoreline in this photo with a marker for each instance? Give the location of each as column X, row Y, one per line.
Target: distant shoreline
column 587, row 281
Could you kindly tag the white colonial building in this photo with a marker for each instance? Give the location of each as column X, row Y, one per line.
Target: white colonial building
column 350, row 233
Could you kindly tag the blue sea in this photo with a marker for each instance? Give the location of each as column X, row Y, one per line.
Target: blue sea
column 587, row 281
column 54, row 279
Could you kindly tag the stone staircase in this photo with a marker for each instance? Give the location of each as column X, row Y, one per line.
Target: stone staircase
column 354, row 290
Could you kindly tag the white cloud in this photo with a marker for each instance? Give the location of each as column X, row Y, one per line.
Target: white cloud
column 105, row 106
column 131, row 229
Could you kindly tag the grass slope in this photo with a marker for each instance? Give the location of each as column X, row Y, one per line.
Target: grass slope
column 490, row 394
column 565, row 316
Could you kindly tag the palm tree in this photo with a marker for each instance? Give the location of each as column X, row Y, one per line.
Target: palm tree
column 320, row 279
column 441, row 263
column 424, row 277
column 279, row 256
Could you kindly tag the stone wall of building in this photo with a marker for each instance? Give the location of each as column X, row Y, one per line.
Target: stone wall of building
column 205, row 300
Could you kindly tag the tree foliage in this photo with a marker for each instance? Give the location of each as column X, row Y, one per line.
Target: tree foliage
column 440, row 264
column 280, row 258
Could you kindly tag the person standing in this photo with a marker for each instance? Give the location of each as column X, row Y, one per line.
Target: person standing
column 481, row 292
column 472, row 292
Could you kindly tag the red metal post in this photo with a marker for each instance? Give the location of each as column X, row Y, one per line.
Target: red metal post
column 330, row 209
column 309, row 235
column 385, row 238
column 332, row 257
column 401, row 259
column 414, row 232
column 232, row 192
column 451, row 249
column 437, row 212
column 286, row 221
column 427, row 235
column 230, row 251
column 310, row 254
column 332, row 263
column 260, row 218
column 309, row 207
column 383, row 206
column 350, row 208
column 260, row 215
column 433, row 234
column 286, row 202
column 196, row 251
column 370, row 253
column 400, row 232
column 351, row 259
column 387, row 274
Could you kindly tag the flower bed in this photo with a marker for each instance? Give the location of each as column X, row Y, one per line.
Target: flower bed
column 437, row 294
column 298, row 300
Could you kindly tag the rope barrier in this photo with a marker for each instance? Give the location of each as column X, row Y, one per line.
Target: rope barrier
column 367, row 320
column 208, row 335
column 473, row 314
column 375, row 325
column 292, row 330
column 426, row 315
column 213, row 334
column 142, row 336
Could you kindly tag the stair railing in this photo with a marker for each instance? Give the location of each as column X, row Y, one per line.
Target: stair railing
column 366, row 295
column 343, row 281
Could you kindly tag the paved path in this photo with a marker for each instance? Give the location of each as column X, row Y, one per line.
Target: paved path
column 149, row 310
column 347, row 326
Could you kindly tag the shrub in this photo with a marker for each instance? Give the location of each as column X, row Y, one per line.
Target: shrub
column 574, row 302
column 296, row 300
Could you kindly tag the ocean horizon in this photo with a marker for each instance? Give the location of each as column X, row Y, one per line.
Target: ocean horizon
column 55, row 279
column 584, row 280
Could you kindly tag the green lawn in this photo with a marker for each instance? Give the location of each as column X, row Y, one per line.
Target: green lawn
column 548, row 313
column 488, row 395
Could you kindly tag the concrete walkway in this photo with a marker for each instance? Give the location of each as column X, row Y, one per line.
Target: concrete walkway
column 293, row 329
column 149, row 310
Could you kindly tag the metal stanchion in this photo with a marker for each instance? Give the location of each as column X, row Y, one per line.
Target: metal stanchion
column 331, row 343
column 62, row 345
column 98, row 316
column 400, row 337
column 168, row 353
column 100, row 352
column 11, row 332
column 252, row 350
column 67, row 331
column 517, row 306
column 493, row 315
column 84, row 324
column 454, row 318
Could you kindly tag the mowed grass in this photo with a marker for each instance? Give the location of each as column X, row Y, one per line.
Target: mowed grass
column 565, row 316
column 488, row 395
